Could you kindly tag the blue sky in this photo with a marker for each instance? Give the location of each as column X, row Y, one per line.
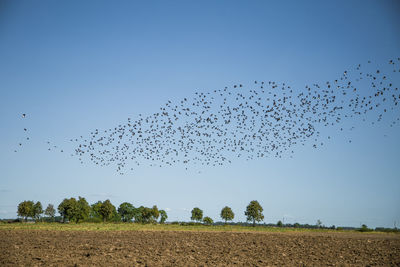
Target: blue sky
column 76, row 66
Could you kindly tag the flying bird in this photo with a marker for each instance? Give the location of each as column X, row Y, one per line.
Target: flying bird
column 258, row 120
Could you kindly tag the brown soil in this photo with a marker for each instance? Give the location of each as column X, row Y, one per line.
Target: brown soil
column 148, row 248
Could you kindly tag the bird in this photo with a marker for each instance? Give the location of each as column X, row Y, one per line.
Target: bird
column 262, row 119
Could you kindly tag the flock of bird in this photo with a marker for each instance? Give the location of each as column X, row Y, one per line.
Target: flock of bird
column 264, row 119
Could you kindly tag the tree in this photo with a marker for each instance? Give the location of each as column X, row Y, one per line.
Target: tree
column 26, row 209
column 106, row 210
column 154, row 213
column 147, row 215
column 163, row 216
column 68, row 209
column 82, row 210
column 227, row 214
column 279, row 224
column 115, row 217
column 62, row 209
column 126, row 211
column 208, row 221
column 37, row 210
column 364, row 228
column 50, row 211
column 254, row 212
column 319, row 223
column 197, row 214
column 138, row 214
column 95, row 210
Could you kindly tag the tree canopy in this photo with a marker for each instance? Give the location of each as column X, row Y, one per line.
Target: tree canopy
column 78, row 210
column 50, row 211
column 74, row 210
column 208, row 221
column 155, row 213
column 227, row 214
column 26, row 209
column 107, row 210
column 163, row 216
column 37, row 210
column 82, row 210
column 66, row 208
column 197, row 214
column 254, row 212
column 95, row 210
column 126, row 211
column 29, row 209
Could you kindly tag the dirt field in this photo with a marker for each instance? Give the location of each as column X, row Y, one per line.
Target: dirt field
column 171, row 248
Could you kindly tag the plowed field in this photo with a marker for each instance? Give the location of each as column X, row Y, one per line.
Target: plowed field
column 179, row 248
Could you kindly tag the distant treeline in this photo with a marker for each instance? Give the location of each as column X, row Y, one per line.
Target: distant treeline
column 79, row 210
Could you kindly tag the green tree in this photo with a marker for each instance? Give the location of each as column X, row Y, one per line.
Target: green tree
column 95, row 210
column 279, row 224
column 138, row 214
column 115, row 217
column 208, row 221
column 197, row 214
column 82, row 210
column 227, row 214
column 364, row 228
column 106, row 210
column 126, row 211
column 254, row 212
column 50, row 211
column 154, row 214
column 147, row 214
column 37, row 210
column 163, row 216
column 319, row 223
column 26, row 209
column 67, row 209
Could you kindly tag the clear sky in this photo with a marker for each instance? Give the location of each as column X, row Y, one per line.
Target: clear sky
column 76, row 66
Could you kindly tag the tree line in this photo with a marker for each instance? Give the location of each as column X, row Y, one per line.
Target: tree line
column 253, row 214
column 79, row 210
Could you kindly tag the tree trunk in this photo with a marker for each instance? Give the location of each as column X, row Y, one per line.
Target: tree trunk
column 254, row 223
